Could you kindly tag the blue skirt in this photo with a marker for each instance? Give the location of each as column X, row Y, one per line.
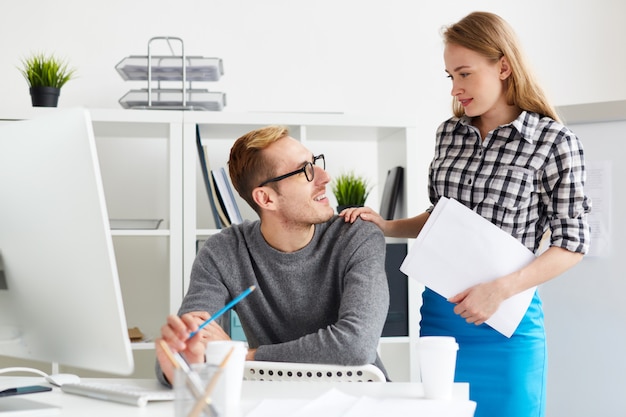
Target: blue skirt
column 507, row 376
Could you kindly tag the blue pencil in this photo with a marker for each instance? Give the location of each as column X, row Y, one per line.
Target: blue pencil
column 224, row 309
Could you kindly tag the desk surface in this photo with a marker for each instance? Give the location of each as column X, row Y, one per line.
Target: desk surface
column 253, row 392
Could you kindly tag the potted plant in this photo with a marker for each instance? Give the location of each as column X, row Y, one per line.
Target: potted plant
column 45, row 75
column 350, row 190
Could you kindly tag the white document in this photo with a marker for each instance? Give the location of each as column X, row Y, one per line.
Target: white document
column 458, row 248
column 377, row 407
column 598, row 187
column 335, row 403
column 332, row 403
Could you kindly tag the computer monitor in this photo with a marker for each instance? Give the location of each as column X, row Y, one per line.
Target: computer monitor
column 60, row 298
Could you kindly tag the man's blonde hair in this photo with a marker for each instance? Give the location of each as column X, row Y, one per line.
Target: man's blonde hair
column 247, row 165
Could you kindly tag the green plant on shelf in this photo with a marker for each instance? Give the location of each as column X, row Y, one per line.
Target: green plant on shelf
column 41, row 70
column 350, row 190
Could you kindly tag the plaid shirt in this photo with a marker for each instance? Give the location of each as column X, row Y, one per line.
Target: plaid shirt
column 525, row 177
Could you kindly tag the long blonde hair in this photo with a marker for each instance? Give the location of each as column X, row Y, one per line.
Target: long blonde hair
column 491, row 36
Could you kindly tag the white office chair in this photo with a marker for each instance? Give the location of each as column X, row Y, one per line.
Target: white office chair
column 290, row 371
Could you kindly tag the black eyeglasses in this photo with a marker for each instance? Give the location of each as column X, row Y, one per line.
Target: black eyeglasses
column 308, row 169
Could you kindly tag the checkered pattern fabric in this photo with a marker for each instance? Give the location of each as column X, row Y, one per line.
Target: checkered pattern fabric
column 525, row 177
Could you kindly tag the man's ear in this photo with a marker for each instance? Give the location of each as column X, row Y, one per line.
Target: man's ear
column 264, row 197
column 505, row 68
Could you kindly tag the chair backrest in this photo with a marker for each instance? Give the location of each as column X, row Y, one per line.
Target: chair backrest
column 290, row 371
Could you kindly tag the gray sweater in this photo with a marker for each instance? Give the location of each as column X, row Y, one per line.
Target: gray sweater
column 325, row 303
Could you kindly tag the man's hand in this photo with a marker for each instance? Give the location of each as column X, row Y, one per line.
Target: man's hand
column 175, row 332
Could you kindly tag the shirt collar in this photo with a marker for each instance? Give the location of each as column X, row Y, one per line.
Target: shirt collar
column 525, row 124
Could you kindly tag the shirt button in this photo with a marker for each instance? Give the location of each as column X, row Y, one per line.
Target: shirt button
column 469, row 181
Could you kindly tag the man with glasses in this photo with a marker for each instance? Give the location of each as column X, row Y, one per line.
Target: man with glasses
column 321, row 289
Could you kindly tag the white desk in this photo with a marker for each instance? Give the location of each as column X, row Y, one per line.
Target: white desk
column 252, row 394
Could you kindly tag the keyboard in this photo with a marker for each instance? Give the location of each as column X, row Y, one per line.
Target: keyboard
column 127, row 394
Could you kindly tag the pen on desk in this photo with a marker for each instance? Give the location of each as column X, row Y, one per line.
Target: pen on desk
column 224, row 309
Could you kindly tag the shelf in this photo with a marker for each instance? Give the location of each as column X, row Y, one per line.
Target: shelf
column 140, row 232
column 382, row 143
column 116, row 119
column 135, row 224
column 142, row 345
column 605, row 111
column 241, row 121
column 149, row 163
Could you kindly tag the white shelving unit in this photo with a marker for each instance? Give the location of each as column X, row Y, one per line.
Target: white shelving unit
column 365, row 145
column 140, row 156
column 150, row 170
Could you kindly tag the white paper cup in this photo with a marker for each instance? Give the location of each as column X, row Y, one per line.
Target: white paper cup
column 228, row 395
column 437, row 359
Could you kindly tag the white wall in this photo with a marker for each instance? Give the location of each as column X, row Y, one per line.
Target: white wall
column 355, row 56
column 585, row 318
column 352, row 56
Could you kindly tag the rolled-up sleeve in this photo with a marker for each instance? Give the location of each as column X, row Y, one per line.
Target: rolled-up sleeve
column 569, row 206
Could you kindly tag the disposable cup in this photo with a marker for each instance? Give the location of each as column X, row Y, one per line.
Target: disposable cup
column 228, row 395
column 437, row 361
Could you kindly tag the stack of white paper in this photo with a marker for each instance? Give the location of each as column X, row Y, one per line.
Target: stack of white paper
column 458, row 248
column 335, row 403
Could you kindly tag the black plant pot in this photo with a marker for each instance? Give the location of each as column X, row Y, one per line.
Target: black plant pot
column 44, row 96
column 343, row 207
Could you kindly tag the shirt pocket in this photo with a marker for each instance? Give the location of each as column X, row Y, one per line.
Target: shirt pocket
column 511, row 187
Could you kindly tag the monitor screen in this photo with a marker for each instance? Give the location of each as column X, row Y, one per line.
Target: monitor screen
column 60, row 298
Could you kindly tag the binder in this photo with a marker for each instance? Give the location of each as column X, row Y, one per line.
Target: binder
column 227, row 196
column 391, row 192
column 397, row 322
column 219, row 201
column 208, row 182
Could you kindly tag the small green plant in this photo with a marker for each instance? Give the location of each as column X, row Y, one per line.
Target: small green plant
column 42, row 70
column 350, row 189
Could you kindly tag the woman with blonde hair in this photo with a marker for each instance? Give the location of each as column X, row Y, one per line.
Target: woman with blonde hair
column 505, row 155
